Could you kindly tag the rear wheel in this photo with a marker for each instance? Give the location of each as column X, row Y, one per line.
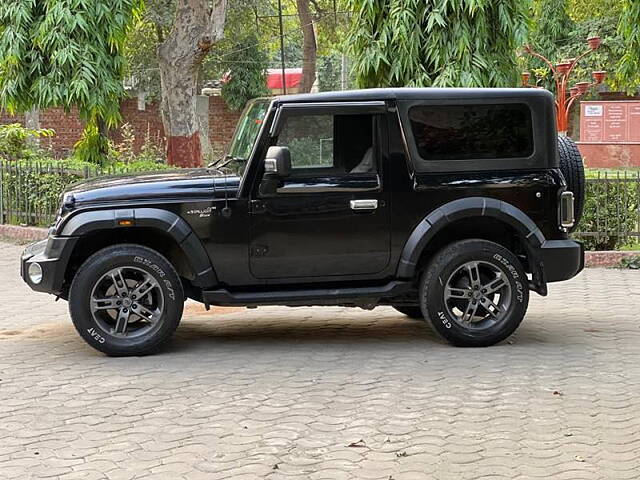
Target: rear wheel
column 126, row 300
column 475, row 293
column 410, row 311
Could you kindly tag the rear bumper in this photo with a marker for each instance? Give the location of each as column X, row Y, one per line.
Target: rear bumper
column 52, row 254
column 561, row 259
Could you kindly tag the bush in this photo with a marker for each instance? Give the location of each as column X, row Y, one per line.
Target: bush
column 610, row 212
column 125, row 152
column 14, row 137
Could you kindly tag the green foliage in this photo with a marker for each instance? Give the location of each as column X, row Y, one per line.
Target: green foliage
column 629, row 29
column 632, row 263
column 92, row 146
column 607, row 57
column 580, row 10
column 124, row 152
column 13, row 140
column 468, row 43
column 64, row 53
column 330, row 73
column 551, row 24
column 558, row 37
column 307, row 152
column 246, row 78
column 141, row 63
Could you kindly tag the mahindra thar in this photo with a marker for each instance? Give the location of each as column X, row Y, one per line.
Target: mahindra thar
column 449, row 205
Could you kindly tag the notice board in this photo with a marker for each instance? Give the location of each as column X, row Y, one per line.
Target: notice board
column 610, row 122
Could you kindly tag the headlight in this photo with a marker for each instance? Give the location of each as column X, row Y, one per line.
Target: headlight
column 35, row 272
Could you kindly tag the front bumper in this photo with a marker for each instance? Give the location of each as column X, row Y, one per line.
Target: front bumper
column 561, row 259
column 52, row 254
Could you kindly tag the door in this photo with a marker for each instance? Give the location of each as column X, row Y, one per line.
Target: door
column 330, row 216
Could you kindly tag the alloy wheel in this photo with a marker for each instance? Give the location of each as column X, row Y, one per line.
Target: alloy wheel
column 477, row 295
column 127, row 302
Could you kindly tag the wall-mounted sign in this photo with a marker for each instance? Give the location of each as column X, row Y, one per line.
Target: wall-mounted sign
column 593, row 110
column 610, row 122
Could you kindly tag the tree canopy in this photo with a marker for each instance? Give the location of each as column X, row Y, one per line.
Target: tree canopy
column 468, row 43
column 629, row 28
column 560, row 29
column 64, row 53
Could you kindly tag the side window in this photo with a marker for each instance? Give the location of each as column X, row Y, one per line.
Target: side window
column 329, row 144
column 468, row 132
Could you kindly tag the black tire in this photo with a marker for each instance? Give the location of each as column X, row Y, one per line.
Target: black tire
column 572, row 169
column 140, row 336
column 410, row 311
column 450, row 265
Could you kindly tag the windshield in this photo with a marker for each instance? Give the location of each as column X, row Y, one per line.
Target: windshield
column 246, row 133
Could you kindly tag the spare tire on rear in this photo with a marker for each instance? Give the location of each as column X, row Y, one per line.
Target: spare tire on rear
column 573, row 170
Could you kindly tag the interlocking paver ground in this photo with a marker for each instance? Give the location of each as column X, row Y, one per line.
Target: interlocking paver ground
column 326, row 393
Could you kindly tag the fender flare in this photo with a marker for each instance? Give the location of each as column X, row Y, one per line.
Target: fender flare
column 155, row 218
column 465, row 208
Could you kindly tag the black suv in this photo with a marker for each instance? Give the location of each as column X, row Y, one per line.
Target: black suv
column 447, row 204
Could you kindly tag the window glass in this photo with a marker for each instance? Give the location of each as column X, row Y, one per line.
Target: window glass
column 329, row 144
column 247, row 130
column 466, row 132
column 310, row 141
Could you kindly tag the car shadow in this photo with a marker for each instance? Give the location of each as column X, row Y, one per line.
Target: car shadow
column 328, row 329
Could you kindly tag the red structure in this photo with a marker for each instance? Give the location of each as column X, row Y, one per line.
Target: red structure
column 610, row 133
column 293, row 78
column 565, row 95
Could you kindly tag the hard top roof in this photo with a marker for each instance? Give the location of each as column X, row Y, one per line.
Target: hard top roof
column 413, row 94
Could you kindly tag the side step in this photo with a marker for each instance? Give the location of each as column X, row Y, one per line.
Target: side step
column 318, row 296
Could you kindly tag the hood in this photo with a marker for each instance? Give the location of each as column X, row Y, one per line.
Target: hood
column 179, row 184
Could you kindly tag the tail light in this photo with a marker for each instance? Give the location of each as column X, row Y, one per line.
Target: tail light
column 567, row 213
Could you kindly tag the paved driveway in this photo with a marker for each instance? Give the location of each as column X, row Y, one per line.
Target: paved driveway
column 326, row 393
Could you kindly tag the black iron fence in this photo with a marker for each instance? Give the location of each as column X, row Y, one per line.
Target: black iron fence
column 30, row 192
column 611, row 216
column 30, row 195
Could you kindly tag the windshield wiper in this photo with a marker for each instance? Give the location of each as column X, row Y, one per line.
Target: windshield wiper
column 230, row 159
column 216, row 162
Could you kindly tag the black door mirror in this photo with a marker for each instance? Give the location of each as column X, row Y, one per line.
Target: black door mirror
column 278, row 162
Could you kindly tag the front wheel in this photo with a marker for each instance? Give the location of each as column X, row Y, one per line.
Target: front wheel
column 475, row 293
column 126, row 300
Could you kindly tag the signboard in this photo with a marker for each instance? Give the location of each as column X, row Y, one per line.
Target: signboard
column 610, row 122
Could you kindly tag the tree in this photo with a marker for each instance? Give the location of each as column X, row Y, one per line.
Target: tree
column 468, row 43
column 240, row 58
column 580, row 10
column 560, row 38
column 196, row 28
column 309, row 45
column 65, row 53
column 629, row 28
column 246, row 77
column 551, row 24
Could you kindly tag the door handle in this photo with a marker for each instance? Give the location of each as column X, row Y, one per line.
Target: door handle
column 361, row 205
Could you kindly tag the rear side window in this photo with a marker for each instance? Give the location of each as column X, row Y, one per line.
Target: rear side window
column 468, row 132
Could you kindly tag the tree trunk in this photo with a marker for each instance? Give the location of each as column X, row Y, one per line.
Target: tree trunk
column 309, row 47
column 32, row 121
column 196, row 28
